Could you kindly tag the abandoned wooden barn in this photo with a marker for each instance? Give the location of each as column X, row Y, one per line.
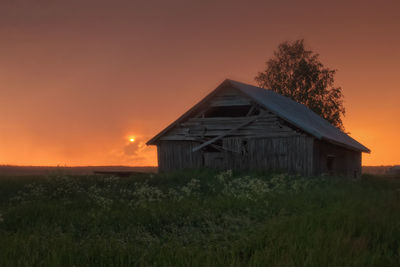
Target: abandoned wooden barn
column 243, row 127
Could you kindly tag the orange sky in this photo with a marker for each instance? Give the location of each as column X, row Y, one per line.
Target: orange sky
column 79, row 77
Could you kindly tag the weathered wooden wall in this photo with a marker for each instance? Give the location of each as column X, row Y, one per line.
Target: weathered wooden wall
column 345, row 161
column 290, row 154
column 175, row 155
column 293, row 154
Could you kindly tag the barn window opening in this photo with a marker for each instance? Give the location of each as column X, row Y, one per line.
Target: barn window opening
column 228, row 111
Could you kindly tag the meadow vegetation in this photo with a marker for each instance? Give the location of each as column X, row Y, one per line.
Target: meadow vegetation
column 199, row 218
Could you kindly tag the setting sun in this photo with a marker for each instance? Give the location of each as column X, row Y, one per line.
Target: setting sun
column 132, row 140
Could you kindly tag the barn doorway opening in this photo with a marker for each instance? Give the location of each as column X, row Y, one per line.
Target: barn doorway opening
column 244, row 148
column 212, row 156
column 330, row 163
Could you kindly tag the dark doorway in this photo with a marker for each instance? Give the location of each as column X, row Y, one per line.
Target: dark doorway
column 329, row 163
column 212, row 156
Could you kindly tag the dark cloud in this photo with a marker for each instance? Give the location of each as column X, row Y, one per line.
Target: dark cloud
column 132, row 149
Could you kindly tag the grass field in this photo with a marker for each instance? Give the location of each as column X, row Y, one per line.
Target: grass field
column 199, row 218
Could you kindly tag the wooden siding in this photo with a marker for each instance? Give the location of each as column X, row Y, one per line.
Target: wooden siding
column 344, row 161
column 175, row 155
column 289, row 154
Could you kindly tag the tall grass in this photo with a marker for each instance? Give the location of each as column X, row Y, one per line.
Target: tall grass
column 199, row 218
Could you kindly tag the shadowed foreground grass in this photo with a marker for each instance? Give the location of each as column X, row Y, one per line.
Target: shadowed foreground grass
column 199, row 218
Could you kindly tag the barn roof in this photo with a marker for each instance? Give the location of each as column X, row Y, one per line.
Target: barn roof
column 291, row 111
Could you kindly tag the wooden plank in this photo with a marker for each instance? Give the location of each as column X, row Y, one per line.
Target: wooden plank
column 251, row 110
column 229, row 102
column 221, row 148
column 226, row 133
column 231, row 119
column 244, row 132
column 230, row 123
column 225, row 120
column 219, row 131
column 179, row 138
column 271, row 135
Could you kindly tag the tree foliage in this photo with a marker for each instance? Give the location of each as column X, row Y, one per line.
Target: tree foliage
column 298, row 73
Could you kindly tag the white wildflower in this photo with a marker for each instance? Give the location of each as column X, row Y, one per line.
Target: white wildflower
column 145, row 193
column 97, row 196
column 191, row 188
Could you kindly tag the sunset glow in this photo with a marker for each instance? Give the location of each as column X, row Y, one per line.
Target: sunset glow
column 73, row 68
